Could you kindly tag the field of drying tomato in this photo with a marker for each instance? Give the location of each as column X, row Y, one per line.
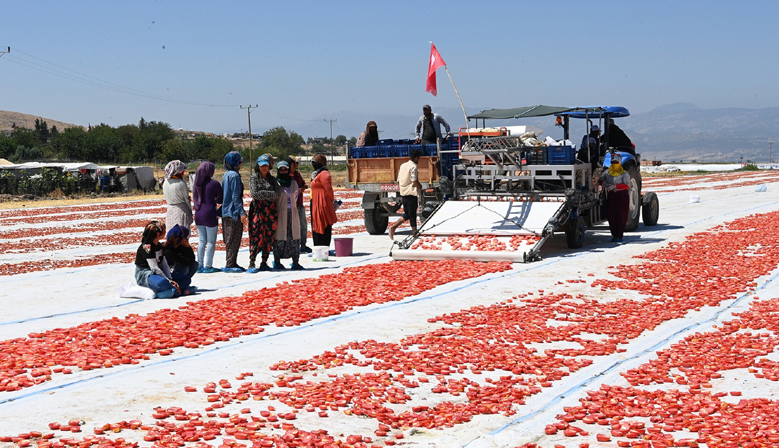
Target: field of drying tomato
column 666, row 340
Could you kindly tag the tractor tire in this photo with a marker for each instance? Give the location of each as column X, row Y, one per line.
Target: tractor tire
column 376, row 222
column 574, row 233
column 650, row 209
column 634, row 213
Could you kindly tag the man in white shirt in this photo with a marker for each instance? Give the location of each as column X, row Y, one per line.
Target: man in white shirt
column 409, row 192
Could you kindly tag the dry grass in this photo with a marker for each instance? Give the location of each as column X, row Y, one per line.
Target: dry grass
column 22, row 203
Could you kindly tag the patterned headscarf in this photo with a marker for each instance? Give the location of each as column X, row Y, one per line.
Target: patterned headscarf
column 204, row 173
column 152, row 230
column 174, row 168
column 232, row 160
column 176, row 234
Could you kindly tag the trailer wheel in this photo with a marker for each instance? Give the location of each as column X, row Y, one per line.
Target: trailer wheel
column 574, row 233
column 634, row 213
column 651, row 209
column 376, row 222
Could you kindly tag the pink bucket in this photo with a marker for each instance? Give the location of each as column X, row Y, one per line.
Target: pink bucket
column 343, row 247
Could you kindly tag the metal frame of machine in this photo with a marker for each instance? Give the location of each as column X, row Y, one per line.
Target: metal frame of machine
column 504, row 175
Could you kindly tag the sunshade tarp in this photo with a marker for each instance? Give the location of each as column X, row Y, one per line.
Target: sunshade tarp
column 541, row 111
column 520, row 112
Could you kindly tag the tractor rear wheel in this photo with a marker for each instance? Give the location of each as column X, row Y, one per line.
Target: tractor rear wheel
column 634, row 212
column 376, row 220
column 650, row 209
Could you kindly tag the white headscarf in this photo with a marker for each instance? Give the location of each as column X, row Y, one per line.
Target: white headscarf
column 174, row 167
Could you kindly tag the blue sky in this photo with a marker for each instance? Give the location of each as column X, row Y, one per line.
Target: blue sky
column 301, row 61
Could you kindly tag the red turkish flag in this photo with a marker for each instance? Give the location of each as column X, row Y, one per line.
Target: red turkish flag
column 436, row 62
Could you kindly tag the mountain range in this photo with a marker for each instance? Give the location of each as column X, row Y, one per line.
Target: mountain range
column 674, row 132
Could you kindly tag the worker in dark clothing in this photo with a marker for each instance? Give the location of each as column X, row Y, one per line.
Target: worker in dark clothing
column 618, row 139
column 429, row 126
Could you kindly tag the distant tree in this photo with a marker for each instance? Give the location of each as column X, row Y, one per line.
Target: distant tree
column 340, row 140
column 70, row 143
column 318, row 146
column 221, row 146
column 7, row 146
column 54, row 131
column 353, row 141
column 25, row 137
column 142, row 123
column 211, row 148
column 176, row 149
column 42, row 130
column 102, row 143
column 151, row 138
column 23, row 154
column 280, row 143
column 128, row 134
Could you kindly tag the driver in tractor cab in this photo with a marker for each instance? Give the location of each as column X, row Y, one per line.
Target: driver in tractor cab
column 590, row 147
column 619, row 140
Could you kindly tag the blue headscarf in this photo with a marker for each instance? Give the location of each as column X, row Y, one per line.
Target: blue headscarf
column 176, row 234
column 232, row 160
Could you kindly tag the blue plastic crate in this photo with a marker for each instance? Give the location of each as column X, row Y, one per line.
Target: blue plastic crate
column 386, row 141
column 561, row 155
column 399, row 151
column 536, row 156
column 357, row 152
column 418, row 146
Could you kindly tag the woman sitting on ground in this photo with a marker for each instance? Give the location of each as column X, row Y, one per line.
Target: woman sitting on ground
column 180, row 256
column 151, row 269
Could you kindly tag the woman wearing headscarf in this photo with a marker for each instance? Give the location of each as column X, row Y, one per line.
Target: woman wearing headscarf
column 294, row 173
column 262, row 213
column 180, row 256
column 151, row 269
column 370, row 136
column 233, row 213
column 176, row 194
column 287, row 238
column 616, row 182
column 206, row 194
column 322, row 198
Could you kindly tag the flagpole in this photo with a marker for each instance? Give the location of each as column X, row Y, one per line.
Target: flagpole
column 462, row 106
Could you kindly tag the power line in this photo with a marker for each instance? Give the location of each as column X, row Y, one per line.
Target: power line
column 97, row 82
column 53, row 69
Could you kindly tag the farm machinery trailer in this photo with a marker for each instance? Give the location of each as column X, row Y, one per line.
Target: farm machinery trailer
column 494, row 195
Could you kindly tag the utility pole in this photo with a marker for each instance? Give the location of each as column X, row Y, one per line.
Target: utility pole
column 770, row 152
column 249, row 115
column 332, row 143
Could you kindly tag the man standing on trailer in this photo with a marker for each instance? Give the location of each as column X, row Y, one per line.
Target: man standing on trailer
column 410, row 188
column 429, row 126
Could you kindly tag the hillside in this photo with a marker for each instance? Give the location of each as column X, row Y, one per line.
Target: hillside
column 8, row 118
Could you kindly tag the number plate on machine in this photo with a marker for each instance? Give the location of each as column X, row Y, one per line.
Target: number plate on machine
column 389, row 187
